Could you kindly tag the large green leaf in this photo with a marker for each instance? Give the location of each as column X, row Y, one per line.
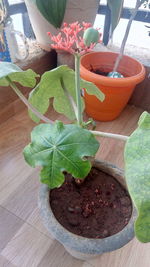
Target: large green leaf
column 58, row 148
column 15, row 74
column 59, row 83
column 137, row 172
column 92, row 89
column 116, row 9
column 53, row 85
column 52, row 10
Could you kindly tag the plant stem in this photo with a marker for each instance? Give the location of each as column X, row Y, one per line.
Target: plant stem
column 72, row 102
column 78, row 91
column 110, row 135
column 25, row 101
column 138, row 3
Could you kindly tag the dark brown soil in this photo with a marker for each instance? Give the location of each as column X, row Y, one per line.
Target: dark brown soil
column 97, row 208
column 98, row 71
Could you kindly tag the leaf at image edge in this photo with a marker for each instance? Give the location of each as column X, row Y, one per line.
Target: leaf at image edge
column 26, row 78
column 137, row 173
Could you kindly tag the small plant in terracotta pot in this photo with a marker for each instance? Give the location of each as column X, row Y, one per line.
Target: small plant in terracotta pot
column 114, row 73
column 84, row 202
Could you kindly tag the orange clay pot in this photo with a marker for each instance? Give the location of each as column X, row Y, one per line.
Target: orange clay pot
column 117, row 90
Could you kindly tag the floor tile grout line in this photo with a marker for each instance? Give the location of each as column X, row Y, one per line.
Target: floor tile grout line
column 8, row 262
column 33, row 228
column 25, row 222
column 90, row 263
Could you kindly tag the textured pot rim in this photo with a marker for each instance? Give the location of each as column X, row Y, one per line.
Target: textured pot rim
column 134, row 79
column 79, row 243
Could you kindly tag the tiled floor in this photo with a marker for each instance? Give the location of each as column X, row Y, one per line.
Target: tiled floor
column 24, row 242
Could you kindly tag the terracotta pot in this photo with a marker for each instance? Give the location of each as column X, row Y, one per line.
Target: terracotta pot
column 117, row 90
column 76, row 10
column 78, row 246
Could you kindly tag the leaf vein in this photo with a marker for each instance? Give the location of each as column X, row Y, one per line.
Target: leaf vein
column 72, row 163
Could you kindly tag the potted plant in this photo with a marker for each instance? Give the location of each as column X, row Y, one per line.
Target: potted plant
column 3, row 12
column 48, row 16
column 89, row 197
column 99, row 68
column 9, row 50
column 3, row 20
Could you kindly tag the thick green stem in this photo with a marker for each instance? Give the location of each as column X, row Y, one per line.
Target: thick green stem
column 79, row 113
column 25, row 101
column 110, row 135
column 72, row 102
column 78, row 91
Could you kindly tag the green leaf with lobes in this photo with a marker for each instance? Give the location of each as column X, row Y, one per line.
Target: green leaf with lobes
column 137, row 173
column 58, row 148
column 52, row 10
column 58, row 84
column 15, row 74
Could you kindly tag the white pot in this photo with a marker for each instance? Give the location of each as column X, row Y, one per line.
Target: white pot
column 76, row 10
column 9, row 46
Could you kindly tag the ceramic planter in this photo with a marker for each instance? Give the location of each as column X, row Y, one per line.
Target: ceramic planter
column 76, row 10
column 78, row 246
column 9, row 47
column 117, row 90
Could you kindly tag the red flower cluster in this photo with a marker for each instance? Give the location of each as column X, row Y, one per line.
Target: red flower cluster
column 70, row 40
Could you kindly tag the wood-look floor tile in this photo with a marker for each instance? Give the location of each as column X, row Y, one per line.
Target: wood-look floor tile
column 23, row 200
column 14, row 172
column 86, row 264
column 58, row 257
column 132, row 254
column 9, row 225
column 5, row 263
column 112, row 150
column 27, row 247
column 36, row 221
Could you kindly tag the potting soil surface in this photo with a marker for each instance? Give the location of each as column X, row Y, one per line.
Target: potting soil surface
column 97, row 208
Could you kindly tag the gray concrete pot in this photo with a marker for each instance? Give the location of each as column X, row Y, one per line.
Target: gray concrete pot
column 78, row 246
